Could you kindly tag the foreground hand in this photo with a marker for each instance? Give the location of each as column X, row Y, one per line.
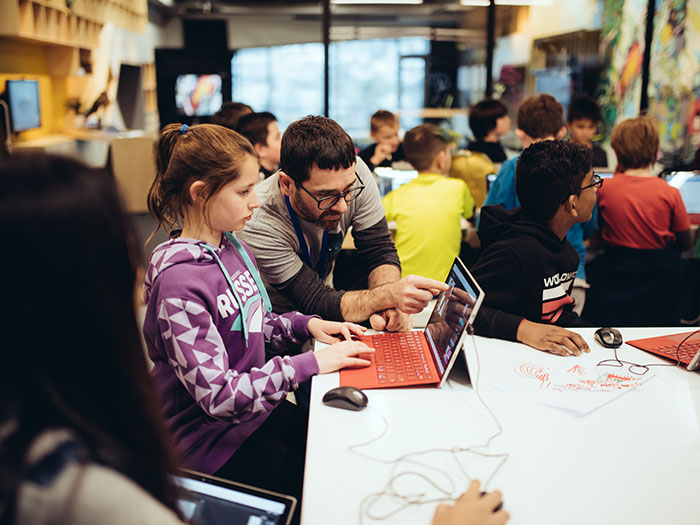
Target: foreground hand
column 339, row 355
column 332, row 331
column 472, row 509
column 391, row 320
column 412, row 293
column 551, row 338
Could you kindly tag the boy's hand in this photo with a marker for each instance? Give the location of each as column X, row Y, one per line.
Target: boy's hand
column 340, row 355
column 551, row 338
column 472, row 508
column 381, row 153
column 333, row 332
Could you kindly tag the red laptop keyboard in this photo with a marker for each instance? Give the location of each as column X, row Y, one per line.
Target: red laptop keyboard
column 399, row 357
column 686, row 352
column 667, row 346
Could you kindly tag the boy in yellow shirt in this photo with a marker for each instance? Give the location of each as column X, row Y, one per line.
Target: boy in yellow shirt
column 428, row 210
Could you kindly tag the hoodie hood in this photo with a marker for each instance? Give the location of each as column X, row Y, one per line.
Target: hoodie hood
column 498, row 224
column 176, row 251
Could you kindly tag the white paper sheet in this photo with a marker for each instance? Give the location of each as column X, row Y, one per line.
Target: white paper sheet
column 575, row 385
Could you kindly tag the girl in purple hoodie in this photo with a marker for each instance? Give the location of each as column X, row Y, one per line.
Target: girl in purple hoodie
column 209, row 320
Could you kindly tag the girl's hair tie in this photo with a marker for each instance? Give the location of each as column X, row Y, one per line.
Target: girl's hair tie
column 183, row 129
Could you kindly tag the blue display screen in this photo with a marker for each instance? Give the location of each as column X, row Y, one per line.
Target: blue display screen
column 23, row 100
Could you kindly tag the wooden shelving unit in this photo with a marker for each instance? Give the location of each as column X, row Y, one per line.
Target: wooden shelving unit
column 54, row 22
column 150, row 103
column 48, row 21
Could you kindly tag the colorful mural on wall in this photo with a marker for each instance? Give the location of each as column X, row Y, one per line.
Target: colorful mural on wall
column 674, row 78
column 622, row 43
column 671, row 79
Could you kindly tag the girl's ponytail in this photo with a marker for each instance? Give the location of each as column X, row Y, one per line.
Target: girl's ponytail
column 156, row 200
column 205, row 152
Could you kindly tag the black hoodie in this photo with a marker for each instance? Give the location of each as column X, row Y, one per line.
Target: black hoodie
column 526, row 271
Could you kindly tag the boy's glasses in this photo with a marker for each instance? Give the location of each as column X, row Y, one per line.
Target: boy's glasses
column 331, row 200
column 597, row 182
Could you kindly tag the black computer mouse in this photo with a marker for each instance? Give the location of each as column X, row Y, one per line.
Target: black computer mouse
column 608, row 337
column 347, row 397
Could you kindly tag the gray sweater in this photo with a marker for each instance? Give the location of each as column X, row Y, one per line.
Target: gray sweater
column 85, row 494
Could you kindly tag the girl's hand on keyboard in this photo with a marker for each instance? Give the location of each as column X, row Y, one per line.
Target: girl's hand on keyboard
column 340, row 355
column 333, row 332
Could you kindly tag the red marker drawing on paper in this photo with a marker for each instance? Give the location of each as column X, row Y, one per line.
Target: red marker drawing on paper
column 582, row 380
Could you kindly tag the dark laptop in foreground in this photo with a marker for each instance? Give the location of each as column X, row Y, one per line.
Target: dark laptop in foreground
column 422, row 358
column 207, row 500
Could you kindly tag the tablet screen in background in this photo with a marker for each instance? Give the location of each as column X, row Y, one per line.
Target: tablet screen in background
column 688, row 183
column 690, row 192
column 390, row 179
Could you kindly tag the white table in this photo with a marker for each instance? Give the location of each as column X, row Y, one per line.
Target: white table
column 634, row 460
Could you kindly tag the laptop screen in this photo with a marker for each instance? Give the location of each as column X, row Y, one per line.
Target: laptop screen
column 390, row 179
column 454, row 310
column 213, row 501
column 688, row 183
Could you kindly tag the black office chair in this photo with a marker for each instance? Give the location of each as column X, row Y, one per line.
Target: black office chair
column 634, row 288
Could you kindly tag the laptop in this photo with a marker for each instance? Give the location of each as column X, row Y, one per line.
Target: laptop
column 206, row 500
column 391, row 178
column 688, row 183
column 667, row 346
column 422, row 358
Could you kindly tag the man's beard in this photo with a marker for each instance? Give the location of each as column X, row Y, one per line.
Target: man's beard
column 328, row 219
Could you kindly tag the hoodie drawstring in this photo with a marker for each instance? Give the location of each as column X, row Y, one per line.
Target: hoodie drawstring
column 256, row 277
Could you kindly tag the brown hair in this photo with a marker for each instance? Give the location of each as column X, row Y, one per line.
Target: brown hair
column 540, row 116
column 114, row 414
column 315, row 141
column 636, row 143
column 230, row 113
column 382, row 118
column 253, row 126
column 206, row 152
column 422, row 144
column 484, row 115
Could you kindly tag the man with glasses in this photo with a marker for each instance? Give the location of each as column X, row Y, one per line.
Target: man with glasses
column 321, row 191
column 528, row 267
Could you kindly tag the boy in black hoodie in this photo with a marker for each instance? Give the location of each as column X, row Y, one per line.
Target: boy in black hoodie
column 527, row 266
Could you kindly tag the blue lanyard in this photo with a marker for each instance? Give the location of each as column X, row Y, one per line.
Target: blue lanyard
column 305, row 252
column 243, row 308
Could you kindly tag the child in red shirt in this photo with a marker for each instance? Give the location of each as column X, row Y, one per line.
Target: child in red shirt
column 644, row 226
column 635, row 208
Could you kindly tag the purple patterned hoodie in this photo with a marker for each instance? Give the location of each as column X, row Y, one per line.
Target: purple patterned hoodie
column 216, row 391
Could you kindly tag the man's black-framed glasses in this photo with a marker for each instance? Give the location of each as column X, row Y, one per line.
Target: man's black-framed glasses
column 331, row 200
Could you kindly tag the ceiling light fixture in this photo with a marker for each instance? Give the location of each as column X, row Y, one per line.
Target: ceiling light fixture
column 350, row 2
column 485, row 3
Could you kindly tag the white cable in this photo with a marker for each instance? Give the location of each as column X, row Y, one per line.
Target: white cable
column 406, row 500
